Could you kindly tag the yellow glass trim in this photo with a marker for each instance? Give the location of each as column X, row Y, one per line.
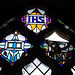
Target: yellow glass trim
column 46, row 50
column 24, row 22
column 26, row 54
column 33, row 26
column 34, row 13
column 48, row 22
column 39, row 26
column 46, row 26
column 38, row 14
column 63, row 62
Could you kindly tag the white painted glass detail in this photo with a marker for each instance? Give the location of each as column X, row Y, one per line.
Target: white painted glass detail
column 43, row 68
column 37, row 62
column 56, row 37
column 30, row 67
column 36, row 68
column 73, row 70
column 0, row 68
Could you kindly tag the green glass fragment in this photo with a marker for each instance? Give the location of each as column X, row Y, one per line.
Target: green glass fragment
column 8, row 60
column 32, row 46
column 70, row 57
column 41, row 46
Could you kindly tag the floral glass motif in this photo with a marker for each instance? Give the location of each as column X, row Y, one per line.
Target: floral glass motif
column 13, row 47
column 36, row 20
column 36, row 68
column 60, row 51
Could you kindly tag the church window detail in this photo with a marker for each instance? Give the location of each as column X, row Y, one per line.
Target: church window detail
column 36, row 20
column 13, row 47
column 58, row 48
column 36, row 68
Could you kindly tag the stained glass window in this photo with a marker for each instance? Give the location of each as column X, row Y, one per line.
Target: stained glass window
column 36, row 20
column 36, row 68
column 13, row 46
column 58, row 48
